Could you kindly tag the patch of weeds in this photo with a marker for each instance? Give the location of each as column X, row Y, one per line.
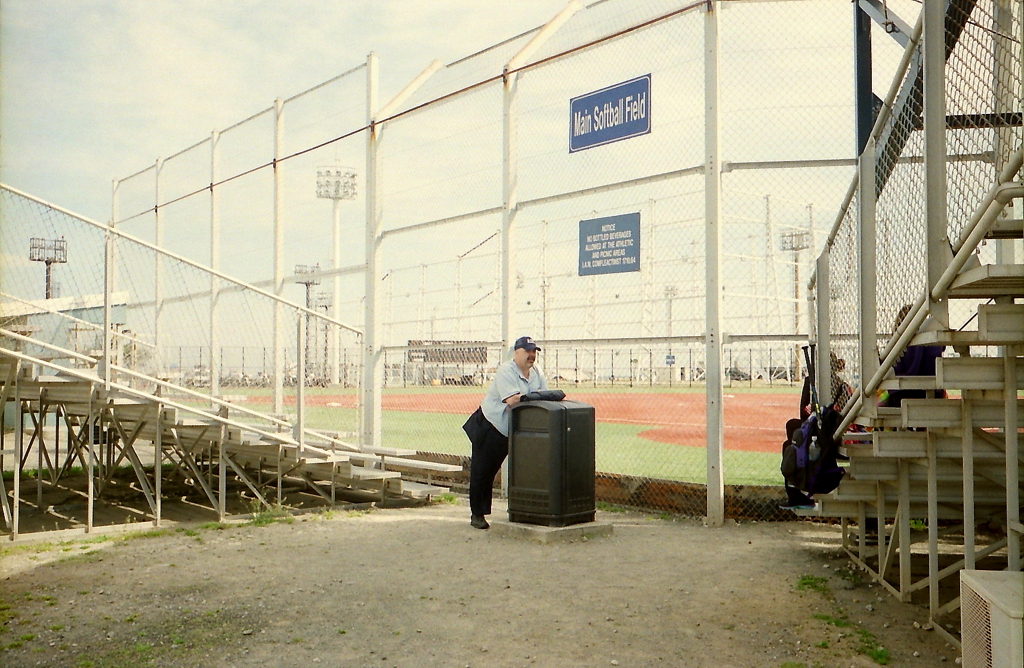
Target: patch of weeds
column 729, row 627
column 870, row 648
column 34, row 548
column 351, row 514
column 814, row 583
column 847, row 574
column 217, row 526
column 342, row 632
column 610, row 507
column 446, row 498
column 792, row 664
column 152, row 533
column 918, row 525
column 82, row 557
column 841, row 622
column 296, row 640
column 14, row 645
column 85, row 663
column 129, row 619
column 57, row 627
column 6, row 614
column 192, row 533
column 268, row 516
column 326, row 514
column 823, row 644
column 26, row 637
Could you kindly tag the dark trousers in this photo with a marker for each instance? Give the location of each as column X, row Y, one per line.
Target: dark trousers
column 488, row 454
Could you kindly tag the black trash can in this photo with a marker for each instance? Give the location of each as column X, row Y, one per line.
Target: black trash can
column 551, row 463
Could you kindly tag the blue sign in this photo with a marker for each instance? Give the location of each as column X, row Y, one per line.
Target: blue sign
column 610, row 114
column 610, row 245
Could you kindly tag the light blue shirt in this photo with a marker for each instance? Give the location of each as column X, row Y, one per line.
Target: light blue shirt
column 508, row 380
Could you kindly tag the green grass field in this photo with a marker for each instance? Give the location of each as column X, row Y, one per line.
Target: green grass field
column 619, row 448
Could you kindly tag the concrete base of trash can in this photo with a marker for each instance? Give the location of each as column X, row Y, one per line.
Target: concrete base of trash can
column 545, row 534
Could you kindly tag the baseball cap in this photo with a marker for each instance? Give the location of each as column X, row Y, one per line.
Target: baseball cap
column 526, row 343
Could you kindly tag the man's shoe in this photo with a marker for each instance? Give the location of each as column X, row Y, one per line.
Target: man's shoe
column 478, row 522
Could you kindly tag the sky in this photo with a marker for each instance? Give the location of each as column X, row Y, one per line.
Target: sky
column 97, row 90
column 93, row 90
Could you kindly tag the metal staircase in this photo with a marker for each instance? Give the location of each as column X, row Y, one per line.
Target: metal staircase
column 950, row 464
column 933, row 483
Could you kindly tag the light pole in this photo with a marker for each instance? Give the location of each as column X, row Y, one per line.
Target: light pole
column 795, row 241
column 335, row 183
column 312, row 278
column 50, row 251
column 671, row 292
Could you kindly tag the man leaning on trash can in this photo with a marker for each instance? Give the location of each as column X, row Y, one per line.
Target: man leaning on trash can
column 514, row 378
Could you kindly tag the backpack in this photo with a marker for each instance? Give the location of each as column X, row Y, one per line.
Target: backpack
column 805, row 476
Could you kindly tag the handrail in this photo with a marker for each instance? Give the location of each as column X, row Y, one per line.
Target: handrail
column 126, row 390
column 163, row 383
column 978, row 226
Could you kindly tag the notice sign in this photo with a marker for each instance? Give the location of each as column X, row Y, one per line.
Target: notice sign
column 610, row 245
column 610, row 114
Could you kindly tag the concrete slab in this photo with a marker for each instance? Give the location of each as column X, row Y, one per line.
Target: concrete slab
column 543, row 534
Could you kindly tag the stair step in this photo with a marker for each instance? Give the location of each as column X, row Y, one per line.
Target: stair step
column 927, row 383
column 1000, row 320
column 887, row 469
column 947, row 491
column 914, row 444
column 363, row 473
column 989, row 280
column 1006, row 228
column 946, row 413
column 829, row 507
column 974, row 373
column 966, row 338
column 418, row 490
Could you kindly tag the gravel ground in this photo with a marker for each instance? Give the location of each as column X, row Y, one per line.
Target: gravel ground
column 419, row 587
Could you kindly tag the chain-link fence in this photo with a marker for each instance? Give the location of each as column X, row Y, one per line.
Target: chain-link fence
column 982, row 132
column 489, row 203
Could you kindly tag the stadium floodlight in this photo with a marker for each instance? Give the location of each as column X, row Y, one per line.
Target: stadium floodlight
column 50, row 251
column 335, row 182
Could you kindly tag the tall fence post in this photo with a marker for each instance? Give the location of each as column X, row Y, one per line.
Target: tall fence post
column 300, row 382
column 372, row 360
column 713, row 297
column 937, row 243
column 108, row 288
column 158, row 239
column 823, row 367
column 509, row 187
column 868, row 274
column 214, row 262
column 278, row 261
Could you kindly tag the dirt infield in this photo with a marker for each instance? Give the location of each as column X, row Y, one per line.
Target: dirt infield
column 753, row 422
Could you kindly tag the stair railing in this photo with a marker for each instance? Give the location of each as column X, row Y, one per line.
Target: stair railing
column 981, row 222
